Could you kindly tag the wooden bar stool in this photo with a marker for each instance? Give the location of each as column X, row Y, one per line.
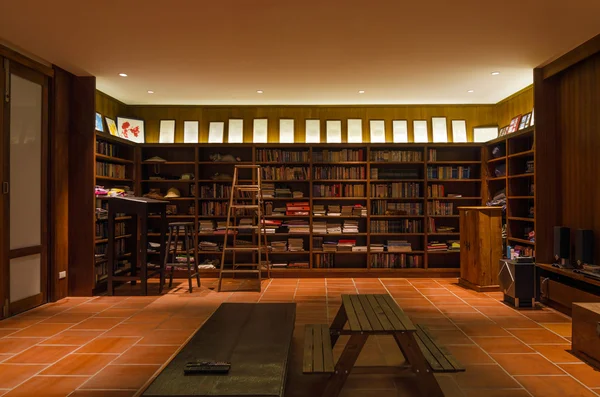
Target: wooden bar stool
column 186, row 230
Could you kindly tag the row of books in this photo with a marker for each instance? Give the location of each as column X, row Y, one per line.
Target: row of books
column 291, row 245
column 328, row 156
column 391, row 173
column 107, row 149
column 297, row 208
column 101, row 269
column 285, row 173
column 102, row 230
column 339, row 172
column 437, row 207
column 384, row 207
column 450, row 245
column 396, row 155
column 396, row 189
column 391, row 261
column 110, row 170
column 397, row 226
column 341, row 211
column 432, row 227
column 281, row 156
column 447, row 172
column 100, row 250
column 219, row 190
column 339, row 190
column 347, row 227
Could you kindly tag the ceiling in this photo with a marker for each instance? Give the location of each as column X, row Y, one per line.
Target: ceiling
column 300, row 52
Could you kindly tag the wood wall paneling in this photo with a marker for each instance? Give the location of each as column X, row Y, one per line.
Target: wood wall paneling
column 519, row 103
column 110, row 107
column 474, row 115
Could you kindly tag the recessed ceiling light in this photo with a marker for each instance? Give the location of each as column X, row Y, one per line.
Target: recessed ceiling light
column 471, row 91
column 150, row 92
column 495, row 73
column 123, row 74
column 361, row 92
column 259, row 91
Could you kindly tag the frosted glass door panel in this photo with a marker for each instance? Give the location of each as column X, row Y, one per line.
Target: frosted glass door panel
column 25, row 164
column 25, row 277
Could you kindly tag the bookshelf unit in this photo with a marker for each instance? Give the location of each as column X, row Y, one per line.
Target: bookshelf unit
column 114, row 167
column 515, row 153
column 411, row 182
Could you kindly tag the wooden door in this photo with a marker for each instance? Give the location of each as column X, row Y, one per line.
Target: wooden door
column 24, row 188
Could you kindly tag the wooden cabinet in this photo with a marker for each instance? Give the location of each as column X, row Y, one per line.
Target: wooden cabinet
column 586, row 330
column 480, row 247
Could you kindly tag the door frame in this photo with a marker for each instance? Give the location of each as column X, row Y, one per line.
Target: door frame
column 12, row 308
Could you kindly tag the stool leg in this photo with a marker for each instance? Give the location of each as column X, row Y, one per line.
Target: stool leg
column 167, row 252
column 187, row 253
column 195, row 252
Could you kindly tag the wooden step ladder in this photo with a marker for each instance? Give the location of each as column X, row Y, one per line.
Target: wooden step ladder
column 257, row 208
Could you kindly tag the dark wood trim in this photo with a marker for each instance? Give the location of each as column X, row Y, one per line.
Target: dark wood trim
column 572, row 57
column 26, row 304
column 26, row 61
column 27, row 251
column 4, row 212
column 111, row 98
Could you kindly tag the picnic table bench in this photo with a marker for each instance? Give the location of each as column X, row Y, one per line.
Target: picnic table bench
column 374, row 315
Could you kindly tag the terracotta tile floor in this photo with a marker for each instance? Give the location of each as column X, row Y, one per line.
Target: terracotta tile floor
column 112, row 346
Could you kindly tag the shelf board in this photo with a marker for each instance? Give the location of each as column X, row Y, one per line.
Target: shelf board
column 224, row 199
column 396, row 180
column 179, row 199
column 396, row 162
column 117, row 219
column 168, row 181
column 101, row 241
column 108, row 178
column 520, row 240
column 340, row 252
column 397, row 234
column 453, row 180
column 105, row 240
column 390, row 253
column 457, row 162
column 454, row 198
column 168, row 162
column 339, row 217
column 338, row 180
column 339, row 162
column 443, row 216
column 397, row 216
column 568, row 273
column 228, row 181
column 280, row 162
column 520, row 134
column 285, row 181
column 496, row 159
column 397, row 198
column 497, row 178
column 285, row 198
column 443, row 252
column 339, row 198
column 172, row 216
column 227, row 163
column 444, row 234
column 522, row 197
column 113, row 159
column 286, row 216
column 338, row 234
column 518, row 218
column 521, row 154
column 289, row 252
column 527, row 175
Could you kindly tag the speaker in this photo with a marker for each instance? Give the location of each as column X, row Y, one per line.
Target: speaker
column 562, row 243
column 584, row 247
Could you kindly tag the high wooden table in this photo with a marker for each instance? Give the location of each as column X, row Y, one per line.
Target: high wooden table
column 368, row 315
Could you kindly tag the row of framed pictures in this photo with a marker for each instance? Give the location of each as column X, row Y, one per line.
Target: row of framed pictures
column 518, row 123
column 126, row 128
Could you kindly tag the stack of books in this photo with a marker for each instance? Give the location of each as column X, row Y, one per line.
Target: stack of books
column 299, row 208
column 283, row 192
column 297, row 194
column 278, row 246
column 318, row 210
column 245, row 226
column 453, row 245
column 333, row 210
column 350, row 226
column 206, row 226
column 317, row 243
column 279, row 265
column 334, row 228
column 319, row 227
column 295, row 244
column 298, row 265
column 437, row 246
column 297, row 226
column 359, row 248
column 398, row 246
column 359, row 210
column 222, row 228
column 208, row 246
column 376, row 247
column 268, row 190
column 346, row 210
column 271, row 225
column 279, row 211
column 330, row 246
column 346, row 245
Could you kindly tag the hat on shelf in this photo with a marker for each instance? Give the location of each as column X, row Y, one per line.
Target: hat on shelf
column 173, row 193
column 187, row 177
column 154, row 194
column 156, row 159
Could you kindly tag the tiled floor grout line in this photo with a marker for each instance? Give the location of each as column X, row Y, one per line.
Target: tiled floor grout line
column 469, row 337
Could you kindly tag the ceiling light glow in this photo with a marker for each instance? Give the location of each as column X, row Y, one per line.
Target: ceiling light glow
column 495, row 73
column 471, row 91
column 150, row 92
column 361, row 92
column 123, row 74
column 259, row 91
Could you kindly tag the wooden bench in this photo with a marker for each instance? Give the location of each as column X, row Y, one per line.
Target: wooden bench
column 255, row 338
column 374, row 315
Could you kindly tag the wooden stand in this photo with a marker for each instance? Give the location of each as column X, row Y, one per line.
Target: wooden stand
column 480, row 247
column 586, row 331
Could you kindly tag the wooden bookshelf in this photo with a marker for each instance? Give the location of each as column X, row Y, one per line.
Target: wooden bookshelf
column 513, row 151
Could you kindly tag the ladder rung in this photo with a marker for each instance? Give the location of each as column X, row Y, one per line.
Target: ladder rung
column 244, row 248
column 247, row 166
column 244, row 187
column 244, row 206
column 240, row 271
column 244, row 265
column 241, row 227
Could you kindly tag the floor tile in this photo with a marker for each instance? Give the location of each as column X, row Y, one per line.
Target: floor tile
column 103, row 393
column 562, row 329
column 121, row 377
column 483, row 330
column 583, row 373
column 52, row 386
column 536, row 336
column 11, row 375
column 41, row 355
column 97, row 323
column 496, row 393
column 67, row 318
column 556, row 353
column 147, row 355
column 130, row 329
column 113, row 312
column 20, row 322
column 514, row 322
column 502, row 345
column 527, row 364
column 17, row 345
column 484, row 377
column 42, row 330
column 166, row 337
column 450, row 337
column 113, row 345
column 546, row 317
column 80, row 364
column 471, row 354
column 76, row 338
column 555, row 386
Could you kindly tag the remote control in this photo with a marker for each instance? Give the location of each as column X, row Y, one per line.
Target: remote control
column 206, row 367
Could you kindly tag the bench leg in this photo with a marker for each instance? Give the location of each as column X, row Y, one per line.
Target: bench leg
column 338, row 325
column 426, row 381
column 344, row 365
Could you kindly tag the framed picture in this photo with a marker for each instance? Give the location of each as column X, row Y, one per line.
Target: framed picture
column 459, row 131
column 112, row 127
column 235, row 132
column 503, row 131
column 439, row 126
column 400, row 131
column 525, row 121
column 99, row 124
column 420, row 134
column 514, row 125
column 215, row 131
column 355, row 131
column 131, row 129
column 485, row 133
column 259, row 130
column 377, row 128
column 334, row 131
column 190, row 131
column 313, row 131
column 286, row 130
column 167, row 131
